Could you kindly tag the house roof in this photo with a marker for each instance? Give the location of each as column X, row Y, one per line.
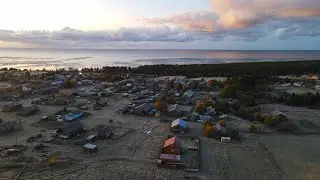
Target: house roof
column 277, row 113
column 179, row 122
column 89, row 146
column 72, row 116
column 71, row 128
column 179, row 108
column 220, row 128
column 172, row 141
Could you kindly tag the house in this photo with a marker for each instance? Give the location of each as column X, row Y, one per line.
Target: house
column 11, row 107
column 70, row 130
column 172, row 146
column 178, row 125
column 142, row 109
column 73, row 116
column 219, row 131
column 211, row 112
column 47, row 90
column 282, row 117
column 186, row 101
column 271, row 111
column 315, row 77
column 188, row 93
column 298, row 84
column 59, row 77
column 57, row 83
column 177, row 110
column 28, row 111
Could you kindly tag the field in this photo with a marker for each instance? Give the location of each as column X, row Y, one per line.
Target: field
column 308, row 120
column 133, row 150
column 130, row 154
column 297, row 156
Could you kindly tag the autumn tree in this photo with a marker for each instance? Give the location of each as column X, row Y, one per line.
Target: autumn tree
column 161, row 106
column 200, row 108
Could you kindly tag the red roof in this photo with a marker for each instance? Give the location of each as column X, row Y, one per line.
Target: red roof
column 171, row 141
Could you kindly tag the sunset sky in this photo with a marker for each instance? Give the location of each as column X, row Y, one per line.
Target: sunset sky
column 176, row 24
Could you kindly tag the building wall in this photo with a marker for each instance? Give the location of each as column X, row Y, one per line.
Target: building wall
column 171, row 150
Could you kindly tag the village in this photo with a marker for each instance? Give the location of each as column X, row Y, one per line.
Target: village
column 72, row 124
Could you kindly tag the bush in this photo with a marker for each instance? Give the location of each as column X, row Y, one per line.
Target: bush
column 271, row 121
column 252, row 128
column 69, row 83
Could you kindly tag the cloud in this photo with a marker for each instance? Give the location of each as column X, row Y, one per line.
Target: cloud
column 72, row 36
column 251, row 19
column 245, row 13
column 244, row 20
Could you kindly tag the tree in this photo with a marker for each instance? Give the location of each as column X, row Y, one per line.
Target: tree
column 229, row 91
column 200, row 108
column 161, row 106
column 213, row 83
column 208, row 129
column 222, row 106
column 69, row 83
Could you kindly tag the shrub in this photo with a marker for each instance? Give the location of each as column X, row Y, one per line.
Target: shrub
column 69, row 83
column 252, row 128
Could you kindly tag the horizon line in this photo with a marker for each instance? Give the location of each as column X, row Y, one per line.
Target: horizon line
column 173, row 49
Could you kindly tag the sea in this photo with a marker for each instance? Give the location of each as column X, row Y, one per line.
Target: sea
column 80, row 58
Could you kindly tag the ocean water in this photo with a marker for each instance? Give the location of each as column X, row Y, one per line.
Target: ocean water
column 79, row 58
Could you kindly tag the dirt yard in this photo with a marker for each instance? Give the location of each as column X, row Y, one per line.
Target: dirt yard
column 133, row 150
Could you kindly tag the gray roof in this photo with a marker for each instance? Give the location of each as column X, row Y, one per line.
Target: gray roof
column 276, row 113
column 179, row 108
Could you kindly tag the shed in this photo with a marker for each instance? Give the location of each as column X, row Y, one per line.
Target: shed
column 177, row 110
column 70, row 130
column 172, row 146
column 178, row 125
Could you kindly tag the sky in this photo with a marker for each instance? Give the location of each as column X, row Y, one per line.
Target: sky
column 163, row 24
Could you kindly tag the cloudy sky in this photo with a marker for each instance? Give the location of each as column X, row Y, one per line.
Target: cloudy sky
column 177, row 24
